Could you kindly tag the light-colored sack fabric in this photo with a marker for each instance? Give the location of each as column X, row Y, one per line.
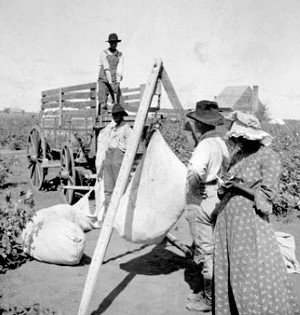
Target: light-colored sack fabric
column 83, row 211
column 287, row 246
column 54, row 240
column 155, row 198
column 75, row 214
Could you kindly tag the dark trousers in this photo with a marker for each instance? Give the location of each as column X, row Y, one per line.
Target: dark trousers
column 112, row 165
column 104, row 89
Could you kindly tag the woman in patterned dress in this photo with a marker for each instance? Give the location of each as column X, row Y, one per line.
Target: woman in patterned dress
column 250, row 274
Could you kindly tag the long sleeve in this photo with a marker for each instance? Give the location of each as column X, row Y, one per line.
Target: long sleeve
column 120, row 68
column 268, row 188
column 127, row 135
column 104, row 62
column 102, row 145
column 197, row 172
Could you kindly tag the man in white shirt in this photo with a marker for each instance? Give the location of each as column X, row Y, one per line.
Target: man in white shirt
column 205, row 166
column 110, row 73
column 116, row 137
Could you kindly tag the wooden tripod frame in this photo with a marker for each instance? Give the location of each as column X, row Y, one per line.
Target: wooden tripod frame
column 158, row 73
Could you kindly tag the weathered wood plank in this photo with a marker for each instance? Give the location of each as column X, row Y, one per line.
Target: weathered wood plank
column 132, row 105
column 127, row 90
column 51, row 98
column 68, row 104
column 87, row 86
column 79, row 95
column 71, row 113
column 127, row 97
column 69, row 96
column 168, row 86
column 81, row 104
column 118, row 192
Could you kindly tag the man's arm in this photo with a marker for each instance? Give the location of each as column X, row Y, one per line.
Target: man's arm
column 104, row 62
column 120, row 68
column 128, row 133
column 197, row 171
column 198, row 164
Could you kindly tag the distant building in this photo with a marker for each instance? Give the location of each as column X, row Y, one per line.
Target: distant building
column 13, row 110
column 242, row 98
column 17, row 110
column 277, row 121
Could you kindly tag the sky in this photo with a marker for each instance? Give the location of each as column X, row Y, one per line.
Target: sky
column 205, row 46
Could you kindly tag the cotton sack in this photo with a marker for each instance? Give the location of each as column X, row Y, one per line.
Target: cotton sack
column 155, row 198
column 54, row 240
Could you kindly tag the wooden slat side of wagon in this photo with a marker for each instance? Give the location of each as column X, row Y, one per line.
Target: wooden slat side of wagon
column 66, row 138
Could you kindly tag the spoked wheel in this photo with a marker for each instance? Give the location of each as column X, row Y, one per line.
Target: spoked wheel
column 68, row 173
column 36, row 151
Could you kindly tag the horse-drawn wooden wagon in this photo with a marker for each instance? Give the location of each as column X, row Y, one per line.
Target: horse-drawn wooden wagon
column 66, row 138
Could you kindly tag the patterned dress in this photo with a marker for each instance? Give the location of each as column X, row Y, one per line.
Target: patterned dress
column 250, row 274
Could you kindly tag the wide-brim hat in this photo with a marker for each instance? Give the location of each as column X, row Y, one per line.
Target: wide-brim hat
column 207, row 113
column 247, row 126
column 113, row 37
column 118, row 109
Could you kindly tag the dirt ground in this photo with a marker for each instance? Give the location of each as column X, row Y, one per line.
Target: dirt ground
column 135, row 279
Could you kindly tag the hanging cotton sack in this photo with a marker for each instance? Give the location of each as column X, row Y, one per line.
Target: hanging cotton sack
column 54, row 240
column 86, row 217
column 155, row 198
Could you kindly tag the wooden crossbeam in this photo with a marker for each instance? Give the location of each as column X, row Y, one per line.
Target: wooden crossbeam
column 88, row 86
column 70, row 96
column 72, row 104
column 169, row 88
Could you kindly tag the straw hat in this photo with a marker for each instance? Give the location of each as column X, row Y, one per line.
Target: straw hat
column 207, row 113
column 247, row 126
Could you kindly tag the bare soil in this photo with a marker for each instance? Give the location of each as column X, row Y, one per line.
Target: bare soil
column 135, row 279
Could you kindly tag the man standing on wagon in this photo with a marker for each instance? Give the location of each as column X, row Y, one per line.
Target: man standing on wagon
column 110, row 73
column 206, row 164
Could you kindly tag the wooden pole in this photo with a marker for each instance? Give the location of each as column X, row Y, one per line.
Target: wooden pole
column 119, row 190
column 169, row 88
column 60, row 107
column 175, row 242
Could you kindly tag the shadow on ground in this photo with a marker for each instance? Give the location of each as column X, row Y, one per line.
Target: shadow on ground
column 160, row 261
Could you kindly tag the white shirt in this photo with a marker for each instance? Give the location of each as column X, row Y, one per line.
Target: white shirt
column 119, row 136
column 112, row 136
column 104, row 62
column 208, row 160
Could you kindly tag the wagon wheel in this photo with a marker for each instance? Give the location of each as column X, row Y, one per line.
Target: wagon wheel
column 36, row 151
column 68, row 173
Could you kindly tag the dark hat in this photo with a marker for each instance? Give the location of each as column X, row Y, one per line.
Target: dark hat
column 207, row 113
column 117, row 109
column 113, row 38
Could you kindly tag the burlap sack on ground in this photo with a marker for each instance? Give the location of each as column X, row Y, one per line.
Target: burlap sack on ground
column 76, row 213
column 155, row 198
column 54, row 240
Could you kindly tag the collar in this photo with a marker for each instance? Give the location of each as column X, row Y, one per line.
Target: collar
column 209, row 134
column 116, row 52
column 115, row 126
